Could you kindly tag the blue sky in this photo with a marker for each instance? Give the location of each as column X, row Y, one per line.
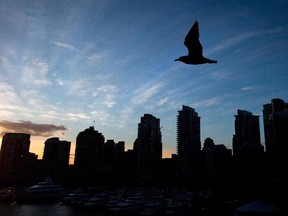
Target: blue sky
column 66, row 65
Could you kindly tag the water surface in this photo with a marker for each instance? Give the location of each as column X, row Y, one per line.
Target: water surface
column 43, row 210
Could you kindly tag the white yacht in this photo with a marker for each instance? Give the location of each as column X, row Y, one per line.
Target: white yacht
column 43, row 191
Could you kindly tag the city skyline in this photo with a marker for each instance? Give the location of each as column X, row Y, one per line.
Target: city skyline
column 93, row 153
column 184, row 108
column 65, row 66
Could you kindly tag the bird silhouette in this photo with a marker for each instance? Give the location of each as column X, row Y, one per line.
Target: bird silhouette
column 195, row 50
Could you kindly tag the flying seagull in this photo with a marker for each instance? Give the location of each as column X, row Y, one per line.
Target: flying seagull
column 195, row 55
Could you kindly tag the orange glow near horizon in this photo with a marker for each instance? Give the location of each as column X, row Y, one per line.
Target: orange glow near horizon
column 167, row 153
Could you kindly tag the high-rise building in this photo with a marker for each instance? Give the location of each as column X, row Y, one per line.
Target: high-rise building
column 89, row 148
column 247, row 131
column 119, row 151
column 56, row 151
column 188, row 142
column 275, row 117
column 247, row 149
column 15, row 158
column 148, row 147
column 217, row 161
column 108, row 152
column 14, row 149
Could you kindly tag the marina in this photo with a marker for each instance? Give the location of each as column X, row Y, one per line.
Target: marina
column 128, row 201
column 107, row 201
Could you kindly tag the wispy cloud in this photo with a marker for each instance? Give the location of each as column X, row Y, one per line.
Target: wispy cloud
column 221, row 74
column 97, row 57
column 206, row 103
column 65, row 46
column 34, row 102
column 232, row 41
column 9, row 100
column 162, row 101
column 74, row 116
column 107, row 93
column 6, row 61
column 143, row 94
column 77, row 87
column 242, row 37
column 34, row 129
column 102, row 117
column 247, row 88
column 125, row 115
column 161, row 104
column 35, row 73
column 103, row 94
column 7, row 92
column 109, row 101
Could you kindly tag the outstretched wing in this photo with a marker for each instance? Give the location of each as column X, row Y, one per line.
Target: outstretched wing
column 192, row 41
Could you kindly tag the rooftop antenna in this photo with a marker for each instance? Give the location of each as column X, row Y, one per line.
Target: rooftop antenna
column 93, row 124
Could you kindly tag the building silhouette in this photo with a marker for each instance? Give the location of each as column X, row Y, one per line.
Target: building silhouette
column 108, row 152
column 275, row 118
column 247, row 149
column 14, row 157
column 14, row 149
column 57, row 152
column 119, row 151
column 148, row 146
column 188, row 143
column 89, row 149
column 247, row 131
column 217, row 161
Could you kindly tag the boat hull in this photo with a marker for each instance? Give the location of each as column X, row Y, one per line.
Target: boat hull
column 33, row 197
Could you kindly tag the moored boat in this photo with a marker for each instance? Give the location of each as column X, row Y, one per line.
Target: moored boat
column 45, row 191
column 7, row 195
column 98, row 202
column 130, row 206
column 154, row 208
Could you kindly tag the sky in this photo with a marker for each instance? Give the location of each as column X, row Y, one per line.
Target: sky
column 67, row 65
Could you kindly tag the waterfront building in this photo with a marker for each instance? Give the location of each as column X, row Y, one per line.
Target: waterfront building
column 108, row 152
column 119, row 151
column 247, row 131
column 217, row 160
column 275, row 118
column 188, row 143
column 14, row 156
column 247, row 149
column 57, row 152
column 148, row 146
column 89, row 145
column 14, row 149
